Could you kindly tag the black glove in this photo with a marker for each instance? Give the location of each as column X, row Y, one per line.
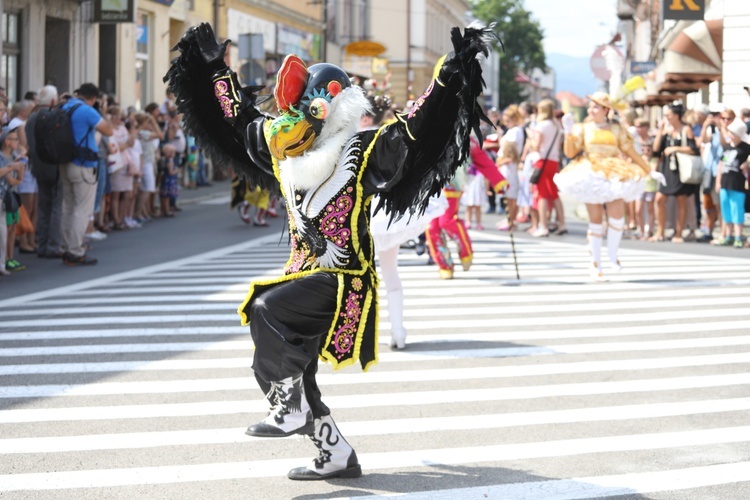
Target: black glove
column 211, row 51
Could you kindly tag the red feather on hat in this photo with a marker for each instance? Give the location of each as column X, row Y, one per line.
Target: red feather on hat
column 291, row 81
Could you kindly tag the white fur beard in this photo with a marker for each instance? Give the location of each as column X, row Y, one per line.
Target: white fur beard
column 317, row 163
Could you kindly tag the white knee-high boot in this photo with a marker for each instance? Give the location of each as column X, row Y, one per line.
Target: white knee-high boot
column 336, row 457
column 290, row 412
column 396, row 315
column 614, row 236
column 594, row 239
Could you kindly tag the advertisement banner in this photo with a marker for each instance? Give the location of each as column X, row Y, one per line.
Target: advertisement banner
column 114, row 11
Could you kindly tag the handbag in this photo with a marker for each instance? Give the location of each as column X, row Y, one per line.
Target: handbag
column 690, row 166
column 25, row 226
column 537, row 173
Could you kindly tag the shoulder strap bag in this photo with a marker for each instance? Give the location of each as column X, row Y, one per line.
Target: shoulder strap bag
column 689, row 165
column 537, row 173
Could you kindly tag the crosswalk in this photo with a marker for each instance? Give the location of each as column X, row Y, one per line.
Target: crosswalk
column 551, row 386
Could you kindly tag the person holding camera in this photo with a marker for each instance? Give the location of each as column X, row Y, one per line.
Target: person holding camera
column 79, row 176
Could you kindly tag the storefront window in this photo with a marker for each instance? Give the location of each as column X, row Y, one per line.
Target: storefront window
column 142, row 62
column 11, row 50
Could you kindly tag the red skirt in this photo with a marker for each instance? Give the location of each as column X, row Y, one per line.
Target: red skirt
column 546, row 186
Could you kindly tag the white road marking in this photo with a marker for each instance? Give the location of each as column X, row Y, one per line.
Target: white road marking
column 103, row 478
column 350, row 401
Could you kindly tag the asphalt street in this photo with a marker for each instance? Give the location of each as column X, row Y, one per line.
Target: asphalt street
column 132, row 378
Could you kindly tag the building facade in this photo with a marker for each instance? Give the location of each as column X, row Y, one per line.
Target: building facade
column 694, row 61
column 69, row 42
column 415, row 33
column 46, row 42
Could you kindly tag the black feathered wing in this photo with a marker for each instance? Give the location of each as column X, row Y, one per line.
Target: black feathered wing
column 413, row 158
column 191, row 80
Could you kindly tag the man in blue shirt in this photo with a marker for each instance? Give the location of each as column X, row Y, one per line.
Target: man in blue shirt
column 79, row 176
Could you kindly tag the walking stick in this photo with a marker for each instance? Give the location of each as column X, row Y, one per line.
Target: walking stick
column 515, row 259
column 504, row 202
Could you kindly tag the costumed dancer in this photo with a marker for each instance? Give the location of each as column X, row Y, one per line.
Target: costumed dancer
column 388, row 235
column 324, row 306
column 244, row 198
column 450, row 223
column 597, row 176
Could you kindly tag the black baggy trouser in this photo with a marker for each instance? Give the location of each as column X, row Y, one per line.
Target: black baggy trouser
column 288, row 324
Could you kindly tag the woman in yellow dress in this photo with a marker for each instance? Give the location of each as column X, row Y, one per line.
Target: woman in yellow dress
column 599, row 177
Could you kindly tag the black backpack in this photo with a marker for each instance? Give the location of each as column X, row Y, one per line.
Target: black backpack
column 53, row 133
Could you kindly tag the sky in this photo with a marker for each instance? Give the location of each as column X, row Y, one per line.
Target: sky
column 574, row 27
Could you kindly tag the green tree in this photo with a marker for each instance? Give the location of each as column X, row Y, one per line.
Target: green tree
column 522, row 38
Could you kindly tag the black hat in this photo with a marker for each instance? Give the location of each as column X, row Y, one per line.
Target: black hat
column 88, row 90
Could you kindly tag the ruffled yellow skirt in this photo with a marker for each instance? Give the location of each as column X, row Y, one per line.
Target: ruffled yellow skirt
column 601, row 180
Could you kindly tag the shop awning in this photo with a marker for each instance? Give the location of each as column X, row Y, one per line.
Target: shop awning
column 693, row 58
column 659, row 99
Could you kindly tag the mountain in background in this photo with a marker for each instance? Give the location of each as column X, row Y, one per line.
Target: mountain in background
column 573, row 74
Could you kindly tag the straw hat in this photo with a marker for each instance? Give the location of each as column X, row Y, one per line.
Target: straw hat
column 602, row 99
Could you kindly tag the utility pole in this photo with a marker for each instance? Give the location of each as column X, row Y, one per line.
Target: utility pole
column 408, row 49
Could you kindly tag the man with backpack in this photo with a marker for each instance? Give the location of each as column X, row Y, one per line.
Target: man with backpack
column 79, row 175
column 50, row 190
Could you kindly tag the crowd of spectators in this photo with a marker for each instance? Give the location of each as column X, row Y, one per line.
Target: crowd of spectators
column 711, row 211
column 127, row 171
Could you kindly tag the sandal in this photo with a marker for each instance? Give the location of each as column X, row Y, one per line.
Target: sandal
column 677, row 239
column 657, row 239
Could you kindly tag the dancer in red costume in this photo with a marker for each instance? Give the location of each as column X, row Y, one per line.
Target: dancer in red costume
column 450, row 223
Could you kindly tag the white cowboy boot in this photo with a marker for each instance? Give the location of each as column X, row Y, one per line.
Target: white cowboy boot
column 614, row 236
column 396, row 315
column 336, row 457
column 594, row 238
column 290, row 413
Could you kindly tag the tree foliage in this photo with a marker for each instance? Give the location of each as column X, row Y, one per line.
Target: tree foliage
column 522, row 38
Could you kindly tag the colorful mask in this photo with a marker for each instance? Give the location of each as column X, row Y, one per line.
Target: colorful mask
column 303, row 96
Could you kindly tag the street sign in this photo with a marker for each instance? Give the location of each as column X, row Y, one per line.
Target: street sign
column 692, row 10
column 641, row 67
column 250, row 46
column 598, row 62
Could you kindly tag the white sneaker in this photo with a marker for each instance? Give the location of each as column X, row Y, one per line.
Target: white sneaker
column 131, row 223
column 96, row 235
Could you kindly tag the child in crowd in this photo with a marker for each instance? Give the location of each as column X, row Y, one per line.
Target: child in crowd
column 168, row 190
column 730, row 183
column 192, row 166
column 474, row 197
column 646, row 206
column 508, row 162
column 14, row 159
